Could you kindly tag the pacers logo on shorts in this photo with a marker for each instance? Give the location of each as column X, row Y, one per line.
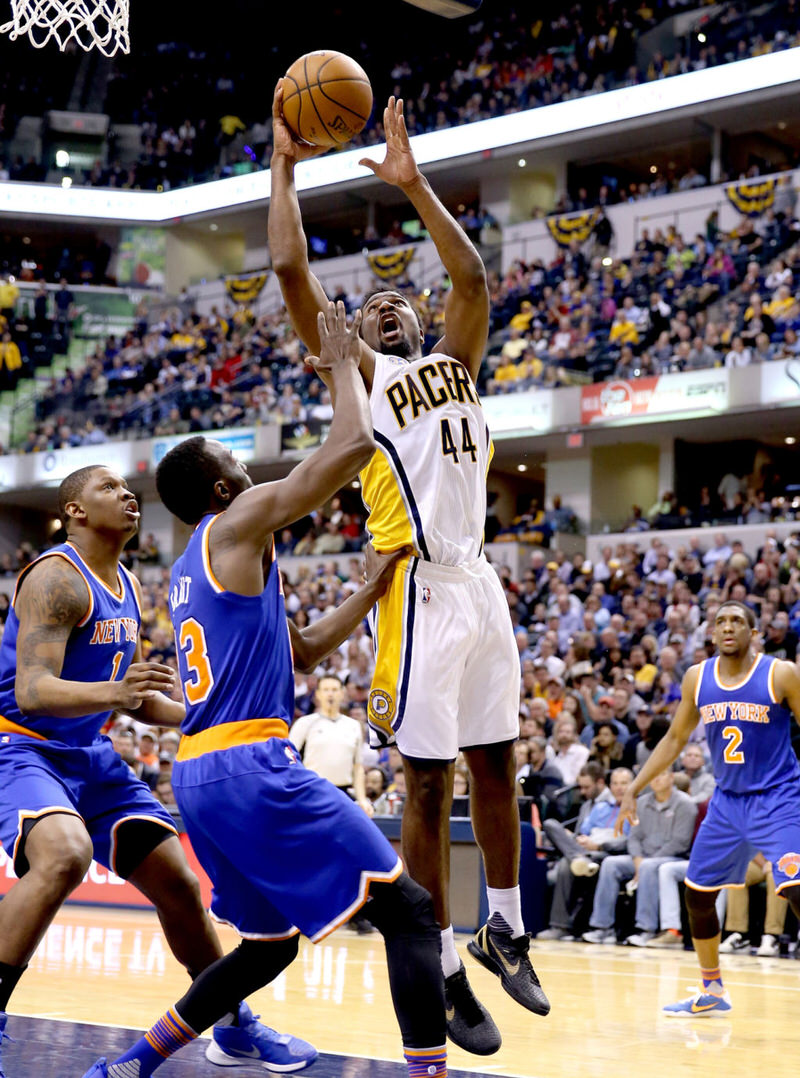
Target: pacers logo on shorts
column 789, row 864
column 381, row 705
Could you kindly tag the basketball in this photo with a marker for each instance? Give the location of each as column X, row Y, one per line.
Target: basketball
column 327, row 98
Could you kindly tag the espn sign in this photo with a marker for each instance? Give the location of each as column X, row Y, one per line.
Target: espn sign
column 704, row 391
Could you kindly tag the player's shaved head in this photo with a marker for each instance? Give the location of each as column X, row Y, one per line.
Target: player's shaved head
column 72, row 487
column 185, row 479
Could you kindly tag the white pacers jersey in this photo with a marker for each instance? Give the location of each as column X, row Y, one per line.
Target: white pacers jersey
column 425, row 486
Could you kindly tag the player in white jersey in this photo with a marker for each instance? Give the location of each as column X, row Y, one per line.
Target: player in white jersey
column 447, row 669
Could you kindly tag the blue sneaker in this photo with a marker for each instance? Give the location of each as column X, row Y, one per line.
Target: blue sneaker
column 99, row 1070
column 242, row 1045
column 3, row 1037
column 700, row 1005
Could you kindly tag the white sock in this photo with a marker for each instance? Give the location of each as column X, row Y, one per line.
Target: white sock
column 504, row 903
column 450, row 959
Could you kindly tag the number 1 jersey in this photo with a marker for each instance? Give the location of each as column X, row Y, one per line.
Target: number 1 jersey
column 234, row 653
column 425, row 486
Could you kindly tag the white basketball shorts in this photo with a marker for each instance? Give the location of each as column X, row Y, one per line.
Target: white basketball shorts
column 447, row 673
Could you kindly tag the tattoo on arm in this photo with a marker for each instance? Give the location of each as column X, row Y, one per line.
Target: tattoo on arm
column 51, row 601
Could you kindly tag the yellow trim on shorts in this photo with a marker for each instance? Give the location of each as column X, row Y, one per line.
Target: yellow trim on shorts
column 390, row 650
column 229, row 734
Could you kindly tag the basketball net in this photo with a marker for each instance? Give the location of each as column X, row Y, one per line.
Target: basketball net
column 88, row 24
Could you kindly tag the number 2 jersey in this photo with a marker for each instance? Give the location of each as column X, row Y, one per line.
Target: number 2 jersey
column 234, row 653
column 747, row 729
column 425, row 486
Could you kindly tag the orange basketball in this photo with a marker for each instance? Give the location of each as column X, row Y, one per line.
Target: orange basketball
column 327, row 98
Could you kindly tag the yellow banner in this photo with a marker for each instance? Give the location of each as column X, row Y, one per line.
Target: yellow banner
column 751, row 199
column 572, row 226
column 246, row 289
column 388, row 266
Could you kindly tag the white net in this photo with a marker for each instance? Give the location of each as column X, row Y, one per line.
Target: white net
column 87, row 24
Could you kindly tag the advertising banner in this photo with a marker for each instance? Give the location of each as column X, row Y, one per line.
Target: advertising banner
column 665, row 394
column 780, row 382
column 241, row 441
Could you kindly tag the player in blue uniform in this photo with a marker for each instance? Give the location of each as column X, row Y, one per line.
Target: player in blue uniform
column 70, row 656
column 746, row 701
column 286, row 850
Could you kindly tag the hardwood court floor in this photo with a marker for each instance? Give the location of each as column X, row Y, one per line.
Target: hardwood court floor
column 112, row 968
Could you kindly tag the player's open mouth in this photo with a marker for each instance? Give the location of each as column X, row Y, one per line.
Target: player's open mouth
column 132, row 511
column 390, row 326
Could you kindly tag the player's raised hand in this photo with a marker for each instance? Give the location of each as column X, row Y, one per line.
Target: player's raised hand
column 399, row 167
column 627, row 811
column 283, row 140
column 142, row 681
column 339, row 345
column 379, row 568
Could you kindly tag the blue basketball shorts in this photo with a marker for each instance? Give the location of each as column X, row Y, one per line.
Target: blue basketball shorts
column 736, row 827
column 38, row 778
column 286, row 850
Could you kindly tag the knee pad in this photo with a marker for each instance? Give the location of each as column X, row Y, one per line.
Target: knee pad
column 402, row 908
column 703, row 919
column 256, row 956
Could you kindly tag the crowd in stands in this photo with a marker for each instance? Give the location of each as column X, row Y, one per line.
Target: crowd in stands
column 202, row 113
column 676, row 304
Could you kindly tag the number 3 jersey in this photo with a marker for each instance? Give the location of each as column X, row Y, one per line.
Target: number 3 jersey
column 748, row 730
column 425, row 486
column 234, row 654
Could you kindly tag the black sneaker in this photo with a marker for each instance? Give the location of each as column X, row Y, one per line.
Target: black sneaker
column 508, row 958
column 469, row 1024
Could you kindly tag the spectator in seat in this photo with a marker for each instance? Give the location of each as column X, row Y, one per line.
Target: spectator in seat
column 693, row 765
column 606, row 748
column 10, row 362
column 664, row 833
column 584, row 848
column 570, row 754
column 541, row 779
column 670, row 875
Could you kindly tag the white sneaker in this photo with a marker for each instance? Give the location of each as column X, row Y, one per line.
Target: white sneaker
column 769, row 946
column 582, row 866
column 734, row 944
column 600, row 935
column 640, row 939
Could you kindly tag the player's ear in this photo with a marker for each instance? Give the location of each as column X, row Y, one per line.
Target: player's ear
column 74, row 511
column 222, row 492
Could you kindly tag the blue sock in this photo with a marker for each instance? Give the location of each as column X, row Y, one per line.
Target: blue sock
column 168, row 1035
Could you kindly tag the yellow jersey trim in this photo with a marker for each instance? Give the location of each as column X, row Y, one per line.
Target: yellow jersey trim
column 230, row 734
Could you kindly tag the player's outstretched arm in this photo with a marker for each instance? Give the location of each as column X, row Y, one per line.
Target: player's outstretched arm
column 262, row 510
column 52, row 600
column 314, row 643
column 467, row 305
column 302, row 293
column 666, row 751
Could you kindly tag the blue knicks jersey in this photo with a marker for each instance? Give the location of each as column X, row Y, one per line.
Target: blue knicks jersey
column 234, row 654
column 100, row 648
column 747, row 729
